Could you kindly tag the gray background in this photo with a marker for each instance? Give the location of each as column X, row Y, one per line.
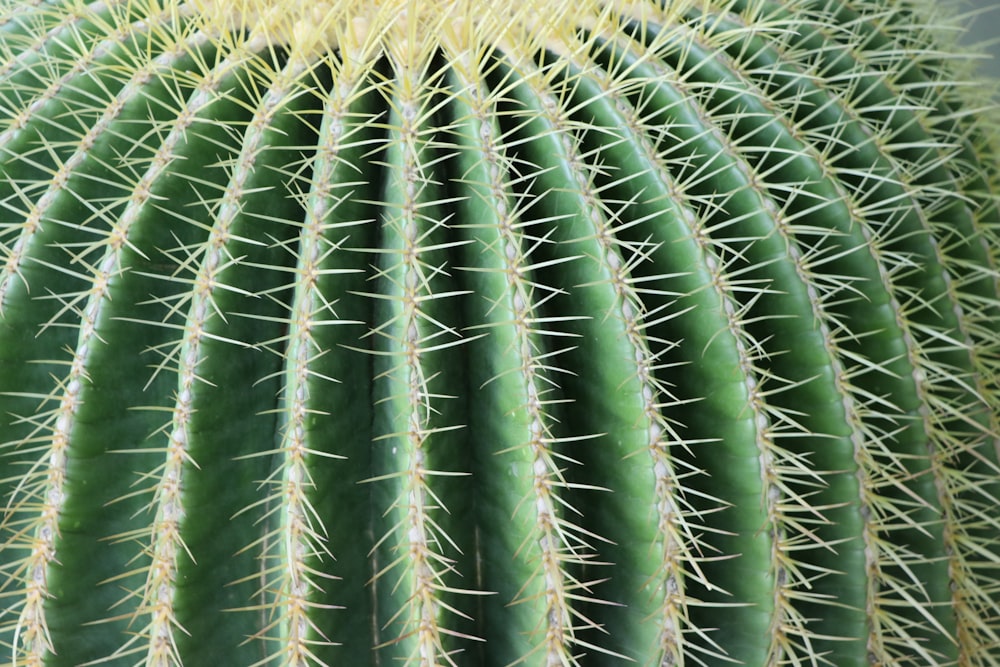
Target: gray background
column 985, row 29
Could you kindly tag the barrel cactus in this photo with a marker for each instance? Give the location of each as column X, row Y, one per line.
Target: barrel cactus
column 496, row 332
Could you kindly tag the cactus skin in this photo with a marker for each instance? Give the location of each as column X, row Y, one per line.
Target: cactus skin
column 650, row 332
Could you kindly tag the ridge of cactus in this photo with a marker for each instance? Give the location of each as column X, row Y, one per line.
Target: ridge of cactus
column 525, row 332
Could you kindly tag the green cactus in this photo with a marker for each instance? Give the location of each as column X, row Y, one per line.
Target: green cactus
column 495, row 332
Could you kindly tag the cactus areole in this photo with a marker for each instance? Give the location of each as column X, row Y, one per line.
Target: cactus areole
column 489, row 333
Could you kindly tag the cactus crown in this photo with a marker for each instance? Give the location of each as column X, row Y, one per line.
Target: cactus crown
column 366, row 30
column 493, row 333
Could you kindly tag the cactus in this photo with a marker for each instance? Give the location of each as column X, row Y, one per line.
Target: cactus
column 496, row 332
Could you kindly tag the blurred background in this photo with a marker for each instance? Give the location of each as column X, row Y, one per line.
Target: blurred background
column 984, row 30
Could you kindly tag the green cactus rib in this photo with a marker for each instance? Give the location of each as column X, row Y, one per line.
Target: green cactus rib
column 801, row 370
column 956, row 351
column 667, row 337
column 930, row 576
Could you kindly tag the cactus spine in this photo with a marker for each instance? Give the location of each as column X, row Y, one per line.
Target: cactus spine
column 490, row 333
